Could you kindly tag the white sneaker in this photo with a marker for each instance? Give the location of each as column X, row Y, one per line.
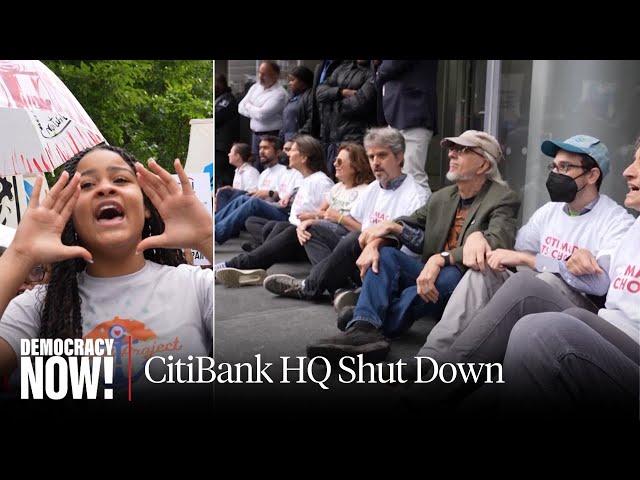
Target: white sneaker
column 234, row 277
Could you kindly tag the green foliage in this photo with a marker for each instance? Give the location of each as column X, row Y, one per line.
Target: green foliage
column 143, row 106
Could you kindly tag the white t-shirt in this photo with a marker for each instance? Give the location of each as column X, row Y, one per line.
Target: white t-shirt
column 289, row 181
column 246, row 178
column 376, row 204
column 623, row 299
column 310, row 195
column 271, row 177
column 553, row 233
column 165, row 310
column 341, row 198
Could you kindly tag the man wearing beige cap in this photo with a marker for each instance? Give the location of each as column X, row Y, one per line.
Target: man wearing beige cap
column 453, row 231
column 567, row 245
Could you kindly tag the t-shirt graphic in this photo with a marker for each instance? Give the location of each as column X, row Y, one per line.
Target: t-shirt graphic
column 144, row 344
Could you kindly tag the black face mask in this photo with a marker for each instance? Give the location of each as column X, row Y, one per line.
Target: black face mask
column 562, row 188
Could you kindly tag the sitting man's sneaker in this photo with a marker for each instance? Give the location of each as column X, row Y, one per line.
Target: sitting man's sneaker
column 360, row 338
column 216, row 268
column 284, row 285
column 234, row 277
column 344, row 317
column 345, row 298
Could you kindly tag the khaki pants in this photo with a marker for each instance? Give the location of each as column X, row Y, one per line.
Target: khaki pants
column 471, row 295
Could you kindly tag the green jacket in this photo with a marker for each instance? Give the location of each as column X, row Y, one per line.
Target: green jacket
column 494, row 212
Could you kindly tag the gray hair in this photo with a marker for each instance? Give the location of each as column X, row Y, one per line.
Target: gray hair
column 493, row 174
column 385, row 136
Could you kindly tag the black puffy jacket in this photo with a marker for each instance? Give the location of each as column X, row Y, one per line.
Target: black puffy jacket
column 346, row 119
column 305, row 113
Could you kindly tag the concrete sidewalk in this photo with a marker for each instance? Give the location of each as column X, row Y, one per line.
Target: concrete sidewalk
column 251, row 321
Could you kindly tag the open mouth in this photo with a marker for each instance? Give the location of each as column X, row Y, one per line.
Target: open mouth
column 109, row 213
column 634, row 188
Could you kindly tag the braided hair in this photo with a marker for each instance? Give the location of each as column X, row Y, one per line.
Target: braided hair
column 60, row 312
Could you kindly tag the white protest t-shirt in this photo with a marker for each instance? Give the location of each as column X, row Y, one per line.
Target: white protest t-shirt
column 623, row 299
column 289, row 181
column 246, row 178
column 270, row 177
column 310, row 195
column 164, row 310
column 553, row 233
column 376, row 204
column 341, row 198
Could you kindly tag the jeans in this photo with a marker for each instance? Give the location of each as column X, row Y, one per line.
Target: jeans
column 224, row 197
column 231, row 224
column 570, row 363
column 390, row 300
column 230, row 207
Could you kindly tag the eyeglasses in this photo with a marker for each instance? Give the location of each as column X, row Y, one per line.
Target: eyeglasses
column 36, row 274
column 563, row 167
column 454, row 147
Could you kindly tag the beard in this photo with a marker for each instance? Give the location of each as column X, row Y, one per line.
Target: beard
column 457, row 177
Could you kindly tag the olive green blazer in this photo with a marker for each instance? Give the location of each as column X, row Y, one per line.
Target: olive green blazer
column 493, row 212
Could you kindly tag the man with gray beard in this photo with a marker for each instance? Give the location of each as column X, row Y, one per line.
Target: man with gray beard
column 453, row 231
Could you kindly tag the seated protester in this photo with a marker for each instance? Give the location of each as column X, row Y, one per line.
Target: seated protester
column 456, row 227
column 276, row 183
column 567, row 237
column 260, row 227
column 268, row 181
column 299, row 109
column 307, row 157
column 576, row 363
column 321, row 232
column 391, row 195
column 245, row 178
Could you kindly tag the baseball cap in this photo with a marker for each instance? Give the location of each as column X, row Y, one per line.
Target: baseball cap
column 475, row 138
column 583, row 144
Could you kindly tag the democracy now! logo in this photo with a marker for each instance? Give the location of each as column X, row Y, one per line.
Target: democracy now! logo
column 53, row 368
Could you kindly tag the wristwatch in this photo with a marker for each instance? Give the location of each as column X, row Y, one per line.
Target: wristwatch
column 447, row 257
column 271, row 193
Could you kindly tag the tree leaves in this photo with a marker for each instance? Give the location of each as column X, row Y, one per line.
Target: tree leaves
column 143, row 106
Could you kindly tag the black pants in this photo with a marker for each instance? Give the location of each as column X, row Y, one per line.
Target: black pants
column 324, row 239
column 259, row 228
column 280, row 246
column 336, row 271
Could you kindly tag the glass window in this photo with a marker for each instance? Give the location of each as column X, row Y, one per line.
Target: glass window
column 545, row 99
